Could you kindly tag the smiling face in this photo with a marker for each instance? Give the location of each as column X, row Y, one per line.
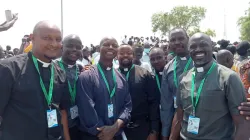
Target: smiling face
column 47, row 41
column 108, row 50
column 125, row 55
column 200, row 48
column 178, row 41
column 72, row 47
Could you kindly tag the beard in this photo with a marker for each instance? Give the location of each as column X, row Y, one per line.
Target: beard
column 126, row 64
column 50, row 57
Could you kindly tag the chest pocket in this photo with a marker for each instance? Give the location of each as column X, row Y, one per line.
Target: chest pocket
column 213, row 100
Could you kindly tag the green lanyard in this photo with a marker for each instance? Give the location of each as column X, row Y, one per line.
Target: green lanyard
column 185, row 69
column 158, row 81
column 72, row 91
column 127, row 75
column 112, row 93
column 200, row 87
column 171, row 53
column 47, row 95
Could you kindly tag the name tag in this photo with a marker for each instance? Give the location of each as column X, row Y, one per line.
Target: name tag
column 74, row 112
column 52, row 118
column 175, row 105
column 183, row 58
column 193, row 125
column 110, row 110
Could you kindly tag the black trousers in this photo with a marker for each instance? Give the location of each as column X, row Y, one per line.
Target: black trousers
column 75, row 133
column 86, row 136
column 138, row 133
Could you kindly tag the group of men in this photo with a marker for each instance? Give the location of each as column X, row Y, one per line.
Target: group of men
column 191, row 97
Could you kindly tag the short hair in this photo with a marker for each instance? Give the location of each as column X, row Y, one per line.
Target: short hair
column 137, row 45
column 242, row 48
column 231, row 48
column 179, row 28
column 223, row 43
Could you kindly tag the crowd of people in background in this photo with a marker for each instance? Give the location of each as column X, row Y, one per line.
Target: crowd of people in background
column 180, row 88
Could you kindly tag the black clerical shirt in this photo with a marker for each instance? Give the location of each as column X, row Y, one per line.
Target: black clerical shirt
column 144, row 98
column 23, row 106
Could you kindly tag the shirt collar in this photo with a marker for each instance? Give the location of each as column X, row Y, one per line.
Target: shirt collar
column 125, row 69
column 105, row 68
column 183, row 58
column 204, row 68
column 44, row 64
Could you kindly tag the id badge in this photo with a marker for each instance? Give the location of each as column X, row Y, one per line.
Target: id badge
column 110, row 110
column 193, row 125
column 175, row 105
column 52, row 118
column 74, row 112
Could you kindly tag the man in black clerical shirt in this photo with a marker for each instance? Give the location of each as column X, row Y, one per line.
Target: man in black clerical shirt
column 158, row 62
column 145, row 114
column 102, row 97
column 34, row 93
column 72, row 47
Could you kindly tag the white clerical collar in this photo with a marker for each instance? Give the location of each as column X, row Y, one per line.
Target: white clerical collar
column 71, row 66
column 108, row 68
column 45, row 65
column 160, row 73
column 125, row 69
column 183, row 58
column 200, row 69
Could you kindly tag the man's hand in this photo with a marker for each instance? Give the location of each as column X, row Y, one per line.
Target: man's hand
column 164, row 138
column 107, row 132
column 152, row 136
column 245, row 109
column 87, row 67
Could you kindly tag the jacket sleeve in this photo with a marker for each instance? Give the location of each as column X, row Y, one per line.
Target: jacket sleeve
column 167, row 105
column 154, row 113
column 89, row 119
column 6, row 82
column 125, row 114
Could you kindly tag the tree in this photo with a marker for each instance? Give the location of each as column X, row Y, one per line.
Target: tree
column 244, row 24
column 209, row 32
column 185, row 17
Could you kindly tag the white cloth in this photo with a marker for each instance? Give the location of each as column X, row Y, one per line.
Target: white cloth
column 45, row 65
column 125, row 41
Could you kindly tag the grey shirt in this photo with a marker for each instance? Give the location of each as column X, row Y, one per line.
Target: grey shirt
column 168, row 92
column 222, row 93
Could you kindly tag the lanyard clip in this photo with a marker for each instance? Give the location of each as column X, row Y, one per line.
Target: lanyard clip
column 193, row 112
column 49, row 106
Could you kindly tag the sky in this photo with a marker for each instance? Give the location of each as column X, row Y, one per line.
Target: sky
column 94, row 19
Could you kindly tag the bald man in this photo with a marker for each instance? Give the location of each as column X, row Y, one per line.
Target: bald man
column 72, row 47
column 208, row 98
column 103, row 98
column 225, row 58
column 34, row 93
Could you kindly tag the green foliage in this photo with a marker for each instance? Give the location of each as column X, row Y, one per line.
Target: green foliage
column 185, row 17
column 244, row 24
column 209, row 32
